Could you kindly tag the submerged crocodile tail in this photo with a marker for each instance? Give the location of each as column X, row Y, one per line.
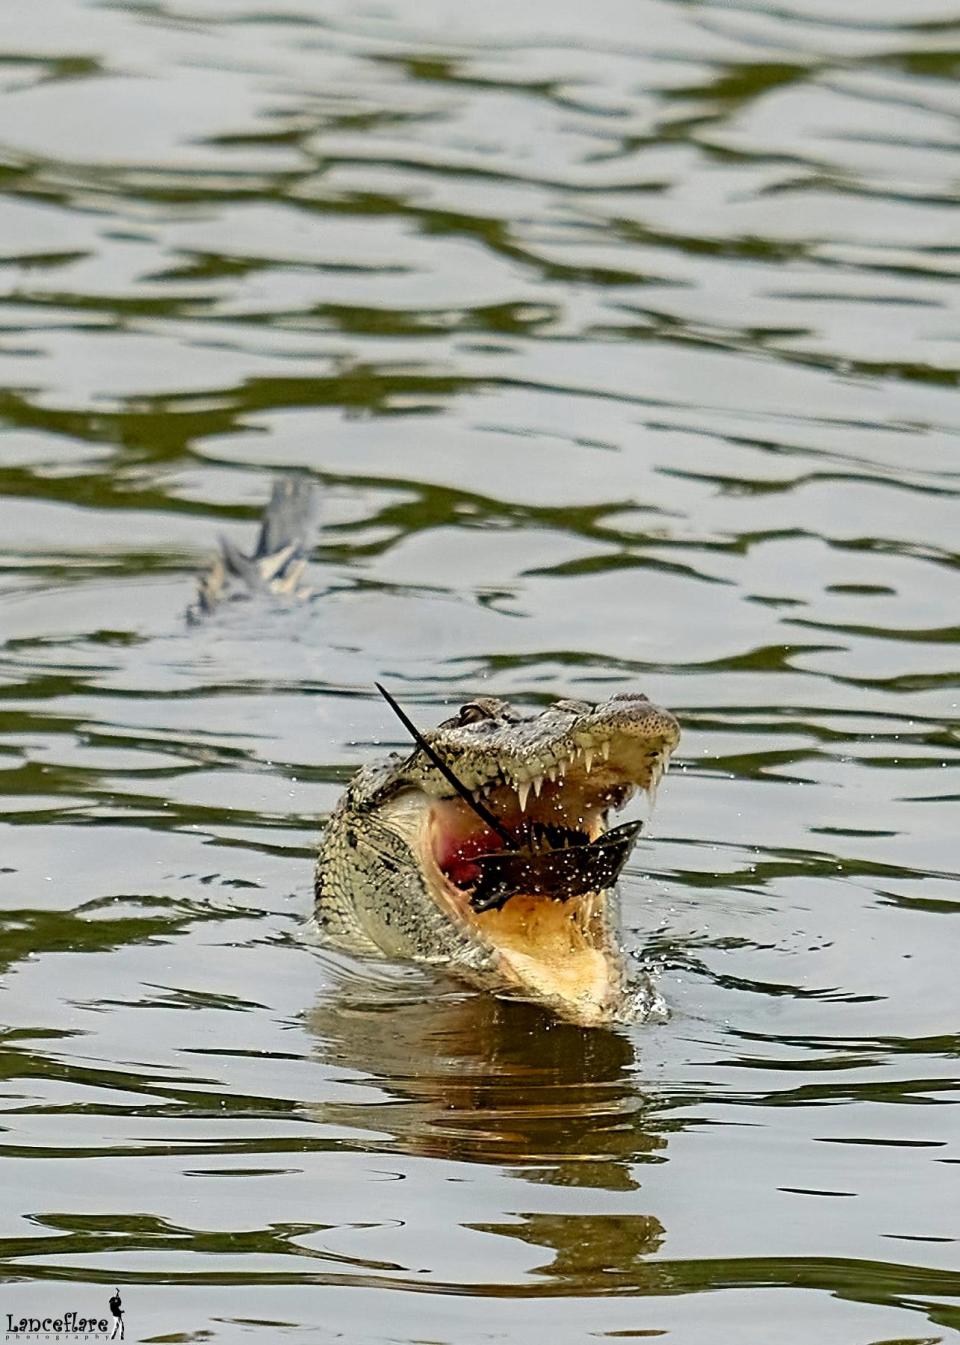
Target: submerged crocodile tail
column 290, row 517
column 279, row 558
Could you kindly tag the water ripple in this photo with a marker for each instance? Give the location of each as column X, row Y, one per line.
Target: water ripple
column 624, row 347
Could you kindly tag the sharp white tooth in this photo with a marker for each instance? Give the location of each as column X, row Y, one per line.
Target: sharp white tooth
column 552, row 774
column 656, row 771
column 605, row 749
column 522, row 793
column 537, row 784
column 562, row 767
column 588, row 758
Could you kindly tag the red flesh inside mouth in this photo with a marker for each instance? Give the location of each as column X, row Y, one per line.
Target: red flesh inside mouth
column 454, row 855
column 576, row 806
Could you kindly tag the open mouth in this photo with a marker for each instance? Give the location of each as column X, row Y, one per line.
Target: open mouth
column 538, row 889
column 509, row 821
column 560, row 846
column 550, row 835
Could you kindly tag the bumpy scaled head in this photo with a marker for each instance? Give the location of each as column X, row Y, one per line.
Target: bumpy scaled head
column 512, row 877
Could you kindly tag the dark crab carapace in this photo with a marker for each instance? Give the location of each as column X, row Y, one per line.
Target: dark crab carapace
column 557, row 862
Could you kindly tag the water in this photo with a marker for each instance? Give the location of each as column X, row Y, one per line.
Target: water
column 623, row 341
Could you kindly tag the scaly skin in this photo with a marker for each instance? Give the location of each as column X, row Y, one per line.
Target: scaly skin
column 381, row 890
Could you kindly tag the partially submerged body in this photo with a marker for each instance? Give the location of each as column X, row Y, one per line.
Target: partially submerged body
column 506, row 880
column 402, row 859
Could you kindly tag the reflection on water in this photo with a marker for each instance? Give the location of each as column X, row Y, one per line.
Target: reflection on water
column 478, row 1080
column 622, row 343
column 471, row 1079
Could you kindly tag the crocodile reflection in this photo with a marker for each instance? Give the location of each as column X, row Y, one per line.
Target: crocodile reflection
column 471, row 1078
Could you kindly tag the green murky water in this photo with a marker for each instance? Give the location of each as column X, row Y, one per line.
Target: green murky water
column 623, row 340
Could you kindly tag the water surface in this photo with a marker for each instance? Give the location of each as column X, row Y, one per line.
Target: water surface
column 622, row 341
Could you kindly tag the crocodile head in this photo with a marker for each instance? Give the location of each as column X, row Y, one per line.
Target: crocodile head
column 403, row 867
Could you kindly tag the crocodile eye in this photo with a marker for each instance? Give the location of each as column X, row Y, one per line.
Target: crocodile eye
column 473, row 712
column 574, row 707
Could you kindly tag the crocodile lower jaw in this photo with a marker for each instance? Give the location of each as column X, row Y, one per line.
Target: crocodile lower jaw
column 560, row 955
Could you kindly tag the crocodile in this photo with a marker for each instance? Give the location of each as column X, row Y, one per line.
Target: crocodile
column 402, row 857
column 487, row 850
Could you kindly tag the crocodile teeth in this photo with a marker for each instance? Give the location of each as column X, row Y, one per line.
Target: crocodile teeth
column 588, row 759
column 605, row 749
column 552, row 774
column 537, row 784
column 523, row 791
column 656, row 773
